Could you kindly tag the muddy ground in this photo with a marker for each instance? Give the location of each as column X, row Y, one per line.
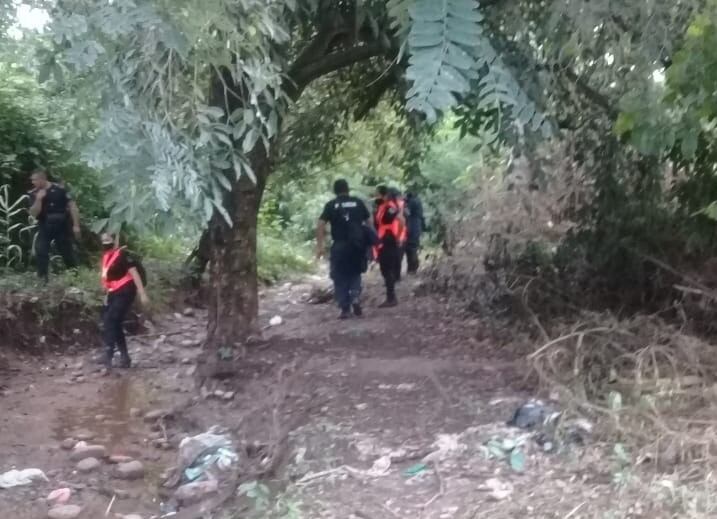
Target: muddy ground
column 350, row 409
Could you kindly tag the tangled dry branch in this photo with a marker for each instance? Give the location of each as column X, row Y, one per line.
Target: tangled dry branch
column 649, row 385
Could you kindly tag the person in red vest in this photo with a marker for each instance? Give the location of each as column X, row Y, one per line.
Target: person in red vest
column 122, row 283
column 389, row 223
column 396, row 195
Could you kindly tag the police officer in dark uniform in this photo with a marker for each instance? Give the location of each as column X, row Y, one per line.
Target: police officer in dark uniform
column 416, row 224
column 349, row 220
column 55, row 210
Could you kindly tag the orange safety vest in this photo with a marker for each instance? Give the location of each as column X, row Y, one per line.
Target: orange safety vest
column 403, row 234
column 383, row 229
column 108, row 259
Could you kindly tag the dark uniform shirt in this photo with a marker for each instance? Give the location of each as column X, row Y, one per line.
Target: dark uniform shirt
column 342, row 212
column 55, row 205
column 414, row 218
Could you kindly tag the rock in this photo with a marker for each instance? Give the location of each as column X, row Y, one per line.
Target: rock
column 65, row 512
column 88, row 465
column 60, row 496
column 89, row 451
column 193, row 493
column 189, row 312
column 191, row 371
column 68, row 444
column 130, row 471
column 229, row 395
column 100, row 417
column 156, row 414
column 116, row 459
column 276, row 321
column 84, row 435
column 135, row 413
column 186, row 360
column 132, row 516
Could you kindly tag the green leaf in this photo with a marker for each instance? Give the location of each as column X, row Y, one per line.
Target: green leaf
column 689, row 143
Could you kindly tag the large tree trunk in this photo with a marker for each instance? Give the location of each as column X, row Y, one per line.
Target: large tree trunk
column 234, row 301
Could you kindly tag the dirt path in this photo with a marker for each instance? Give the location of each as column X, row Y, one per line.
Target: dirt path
column 356, row 407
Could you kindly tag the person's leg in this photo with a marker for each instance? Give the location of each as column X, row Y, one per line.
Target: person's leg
column 126, row 298
column 42, row 252
column 412, row 258
column 355, row 294
column 109, row 329
column 63, row 240
column 400, row 251
column 341, row 288
column 387, row 262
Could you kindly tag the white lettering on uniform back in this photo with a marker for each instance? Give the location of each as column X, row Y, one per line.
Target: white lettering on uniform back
column 349, row 204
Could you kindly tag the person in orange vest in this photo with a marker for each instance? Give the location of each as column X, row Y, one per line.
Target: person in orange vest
column 389, row 222
column 122, row 283
column 403, row 235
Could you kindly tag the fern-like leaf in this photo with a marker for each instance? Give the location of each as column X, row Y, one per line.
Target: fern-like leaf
column 452, row 56
column 443, row 42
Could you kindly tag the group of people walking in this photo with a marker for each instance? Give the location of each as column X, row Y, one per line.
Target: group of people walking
column 387, row 235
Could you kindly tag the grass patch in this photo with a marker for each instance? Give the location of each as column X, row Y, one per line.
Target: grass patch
column 279, row 259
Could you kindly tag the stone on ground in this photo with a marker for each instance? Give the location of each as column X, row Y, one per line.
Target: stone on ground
column 64, row 512
column 130, row 471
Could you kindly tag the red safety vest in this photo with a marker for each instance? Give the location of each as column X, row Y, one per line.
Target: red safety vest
column 108, row 260
column 403, row 233
column 383, row 229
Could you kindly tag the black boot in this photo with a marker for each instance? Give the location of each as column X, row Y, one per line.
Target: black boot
column 345, row 314
column 358, row 311
column 389, row 303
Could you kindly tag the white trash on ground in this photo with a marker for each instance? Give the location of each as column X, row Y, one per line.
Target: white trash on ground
column 18, row 478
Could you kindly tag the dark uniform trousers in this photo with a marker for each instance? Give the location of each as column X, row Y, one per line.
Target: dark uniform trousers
column 114, row 315
column 389, row 258
column 48, row 232
column 346, row 269
column 412, row 257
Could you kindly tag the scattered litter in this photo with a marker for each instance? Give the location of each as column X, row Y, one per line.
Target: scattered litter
column 204, row 457
column 507, row 449
column 517, row 460
column 276, row 321
column 444, row 445
column 532, row 414
column 193, row 493
column 60, row 496
column 498, row 489
column 18, row 478
column 415, row 470
column 379, row 467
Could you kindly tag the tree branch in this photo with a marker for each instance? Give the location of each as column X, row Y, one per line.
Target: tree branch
column 376, row 92
column 332, row 62
column 596, row 97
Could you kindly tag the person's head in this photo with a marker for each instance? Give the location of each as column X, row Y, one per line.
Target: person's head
column 394, row 193
column 341, row 187
column 382, row 192
column 108, row 240
column 39, row 179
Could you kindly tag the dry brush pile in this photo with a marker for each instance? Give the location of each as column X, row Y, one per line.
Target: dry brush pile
column 647, row 384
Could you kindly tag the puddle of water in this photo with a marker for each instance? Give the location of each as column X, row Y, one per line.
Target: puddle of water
column 109, row 419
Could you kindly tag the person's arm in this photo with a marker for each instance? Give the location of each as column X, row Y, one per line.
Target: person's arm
column 36, row 207
column 144, row 299
column 75, row 214
column 320, row 238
